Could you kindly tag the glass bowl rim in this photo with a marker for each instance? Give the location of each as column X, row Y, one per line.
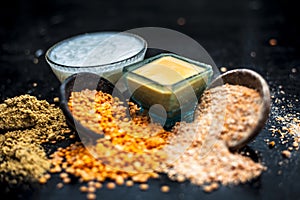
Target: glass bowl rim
column 50, row 61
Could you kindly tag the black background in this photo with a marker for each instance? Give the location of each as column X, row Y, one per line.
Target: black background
column 229, row 30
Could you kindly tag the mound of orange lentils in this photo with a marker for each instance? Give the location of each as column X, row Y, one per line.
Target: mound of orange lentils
column 129, row 151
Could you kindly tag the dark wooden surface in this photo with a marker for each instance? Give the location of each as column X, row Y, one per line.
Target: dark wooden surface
column 229, row 30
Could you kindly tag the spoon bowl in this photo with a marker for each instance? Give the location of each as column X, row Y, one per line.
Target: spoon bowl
column 76, row 83
column 253, row 80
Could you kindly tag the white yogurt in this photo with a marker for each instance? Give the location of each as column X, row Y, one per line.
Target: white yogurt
column 103, row 53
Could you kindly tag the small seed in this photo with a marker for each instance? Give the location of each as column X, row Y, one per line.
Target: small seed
column 144, row 186
column 119, row 180
column 59, row 185
column 180, row 178
column 83, row 189
column 91, row 196
column 63, row 175
column 273, row 42
column 129, row 183
column 56, row 99
column 271, row 144
column 72, row 136
column 165, row 188
column 91, row 183
column 66, row 180
column 295, row 144
column 42, row 180
column 155, row 175
column 91, row 189
column 47, row 176
column 223, row 69
column 111, row 185
column 286, row 153
column 98, row 185
column 141, row 178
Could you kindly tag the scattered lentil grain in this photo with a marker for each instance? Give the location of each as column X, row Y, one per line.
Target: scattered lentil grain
column 91, row 189
column 119, row 180
column 42, row 180
column 83, row 189
column 129, row 183
column 165, row 189
column 273, row 42
column 211, row 187
column 223, row 69
column 98, row 185
column 47, row 176
column 63, row 175
column 66, row 180
column 59, row 185
column 295, row 144
column 271, row 144
column 111, row 185
column 144, row 186
column 56, row 99
column 91, row 196
column 91, row 183
column 286, row 153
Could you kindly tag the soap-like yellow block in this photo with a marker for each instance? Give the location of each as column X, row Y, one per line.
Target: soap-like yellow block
column 168, row 70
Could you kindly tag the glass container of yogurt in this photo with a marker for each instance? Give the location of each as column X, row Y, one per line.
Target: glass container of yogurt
column 102, row 53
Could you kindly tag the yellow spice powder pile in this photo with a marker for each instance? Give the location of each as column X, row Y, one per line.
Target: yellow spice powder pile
column 26, row 123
